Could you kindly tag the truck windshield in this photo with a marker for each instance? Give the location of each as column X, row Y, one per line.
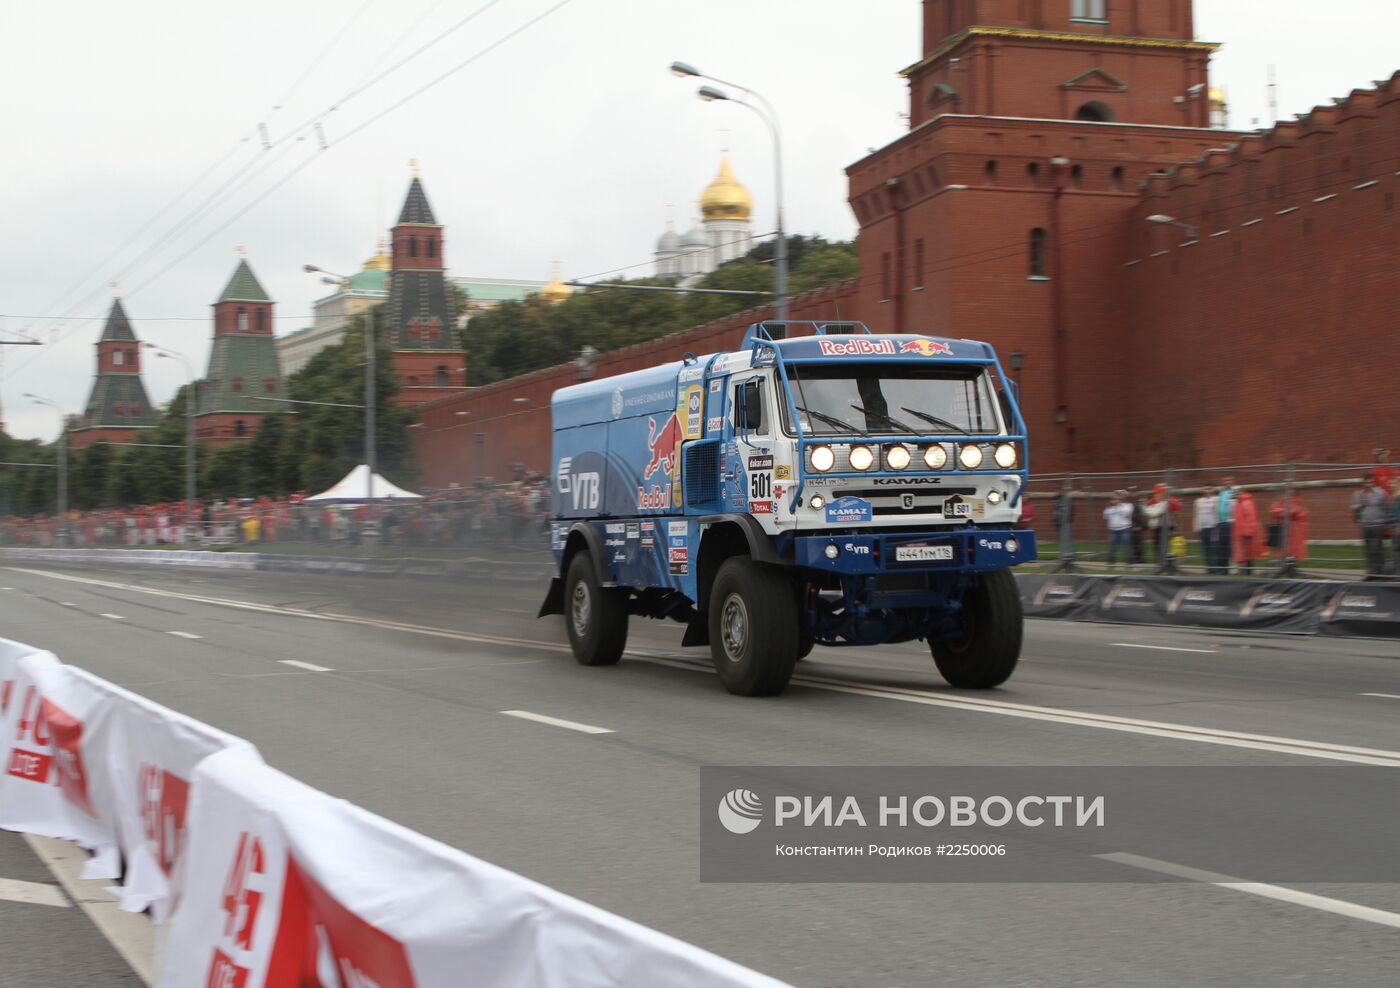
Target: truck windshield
column 892, row 399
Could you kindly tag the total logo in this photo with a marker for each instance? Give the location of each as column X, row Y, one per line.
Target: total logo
column 740, row 811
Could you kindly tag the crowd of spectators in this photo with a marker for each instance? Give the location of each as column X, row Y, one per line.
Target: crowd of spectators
column 514, row 515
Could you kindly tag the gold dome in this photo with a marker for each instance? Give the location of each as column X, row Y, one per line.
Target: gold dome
column 380, row 261
column 556, row 290
column 1216, row 96
column 725, row 198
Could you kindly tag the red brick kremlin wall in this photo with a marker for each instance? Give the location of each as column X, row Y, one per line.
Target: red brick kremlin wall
column 484, row 432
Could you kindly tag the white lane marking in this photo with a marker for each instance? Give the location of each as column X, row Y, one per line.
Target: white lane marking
column 1339, row 907
column 1388, row 696
column 67, row 603
column 1127, row 725
column 572, row 725
column 308, row 666
column 113, row 617
column 34, row 893
column 133, row 935
column 1165, row 648
column 184, row 634
column 6, row 588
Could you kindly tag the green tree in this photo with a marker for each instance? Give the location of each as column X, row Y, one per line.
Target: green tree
column 331, row 440
column 87, row 477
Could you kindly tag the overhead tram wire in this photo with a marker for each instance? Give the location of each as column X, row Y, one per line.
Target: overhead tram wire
column 184, row 223
column 374, row 66
column 326, row 50
column 355, row 130
column 218, row 162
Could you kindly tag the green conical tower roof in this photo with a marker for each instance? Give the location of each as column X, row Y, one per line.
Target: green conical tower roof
column 244, row 286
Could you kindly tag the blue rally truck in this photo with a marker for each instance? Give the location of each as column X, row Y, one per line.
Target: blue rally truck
column 834, row 488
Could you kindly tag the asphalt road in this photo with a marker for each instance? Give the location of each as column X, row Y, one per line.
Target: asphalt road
column 407, row 722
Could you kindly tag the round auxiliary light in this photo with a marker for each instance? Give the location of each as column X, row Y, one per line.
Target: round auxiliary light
column 862, row 458
column 832, row 552
column 817, row 501
column 897, row 457
column 936, row 457
column 823, row 459
column 970, row 456
column 1005, row 456
column 994, row 497
column 1012, row 545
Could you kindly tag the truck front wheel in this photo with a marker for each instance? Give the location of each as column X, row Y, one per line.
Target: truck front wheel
column 753, row 627
column 985, row 651
column 595, row 616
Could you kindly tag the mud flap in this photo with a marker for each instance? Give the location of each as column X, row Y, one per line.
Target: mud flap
column 697, row 632
column 554, row 599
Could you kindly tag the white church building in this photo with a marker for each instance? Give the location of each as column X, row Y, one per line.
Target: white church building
column 721, row 234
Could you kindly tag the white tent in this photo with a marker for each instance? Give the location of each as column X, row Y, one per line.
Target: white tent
column 355, row 487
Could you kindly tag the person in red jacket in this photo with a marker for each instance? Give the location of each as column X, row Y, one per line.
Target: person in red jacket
column 1247, row 535
column 1297, row 547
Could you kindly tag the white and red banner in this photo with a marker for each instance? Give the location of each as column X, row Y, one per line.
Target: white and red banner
column 283, row 886
column 264, row 882
column 44, row 788
column 92, row 762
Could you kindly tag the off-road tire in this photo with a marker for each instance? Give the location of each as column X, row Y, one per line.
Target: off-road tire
column 595, row 616
column 753, row 627
column 985, row 653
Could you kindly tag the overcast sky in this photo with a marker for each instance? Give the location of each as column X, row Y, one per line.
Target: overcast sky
column 568, row 140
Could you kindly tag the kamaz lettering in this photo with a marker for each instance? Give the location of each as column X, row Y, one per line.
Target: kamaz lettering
column 788, row 524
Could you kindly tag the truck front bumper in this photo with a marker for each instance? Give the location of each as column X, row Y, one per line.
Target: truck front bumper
column 961, row 550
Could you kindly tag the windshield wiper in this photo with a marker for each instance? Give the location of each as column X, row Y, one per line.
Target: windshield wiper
column 935, row 420
column 883, row 417
column 830, row 420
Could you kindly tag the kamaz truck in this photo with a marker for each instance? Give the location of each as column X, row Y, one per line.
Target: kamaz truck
column 821, row 485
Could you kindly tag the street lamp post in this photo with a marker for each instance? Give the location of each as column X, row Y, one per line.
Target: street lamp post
column 190, row 524
column 371, row 452
column 62, row 466
column 766, row 113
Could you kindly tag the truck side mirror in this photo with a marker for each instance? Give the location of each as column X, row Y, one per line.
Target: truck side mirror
column 751, row 407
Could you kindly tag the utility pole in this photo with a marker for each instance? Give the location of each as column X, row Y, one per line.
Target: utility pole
column 371, row 453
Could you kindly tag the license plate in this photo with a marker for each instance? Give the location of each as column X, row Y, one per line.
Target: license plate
column 922, row 553
column 957, row 509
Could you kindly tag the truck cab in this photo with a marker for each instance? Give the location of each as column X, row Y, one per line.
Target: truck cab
column 834, row 488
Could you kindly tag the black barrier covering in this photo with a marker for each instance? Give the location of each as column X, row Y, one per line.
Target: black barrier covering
column 1056, row 596
column 1361, row 610
column 1367, row 610
column 1247, row 605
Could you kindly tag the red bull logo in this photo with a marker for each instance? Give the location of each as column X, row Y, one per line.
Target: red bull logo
column 663, row 445
column 927, row 348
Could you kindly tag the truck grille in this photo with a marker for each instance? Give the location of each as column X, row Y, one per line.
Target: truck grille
column 886, row 501
column 701, row 475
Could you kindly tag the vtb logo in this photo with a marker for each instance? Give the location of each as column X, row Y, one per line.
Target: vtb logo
column 584, row 488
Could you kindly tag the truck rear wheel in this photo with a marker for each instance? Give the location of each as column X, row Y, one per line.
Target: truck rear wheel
column 753, row 627
column 595, row 616
column 984, row 654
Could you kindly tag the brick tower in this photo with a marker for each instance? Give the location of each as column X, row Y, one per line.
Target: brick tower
column 1002, row 211
column 427, row 356
column 117, row 409
column 243, row 364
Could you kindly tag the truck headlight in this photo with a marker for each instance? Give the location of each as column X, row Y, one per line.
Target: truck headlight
column 994, row 497
column 936, row 457
column 823, row 459
column 831, row 552
column 897, row 457
column 817, row 501
column 862, row 458
column 970, row 456
column 1005, row 456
